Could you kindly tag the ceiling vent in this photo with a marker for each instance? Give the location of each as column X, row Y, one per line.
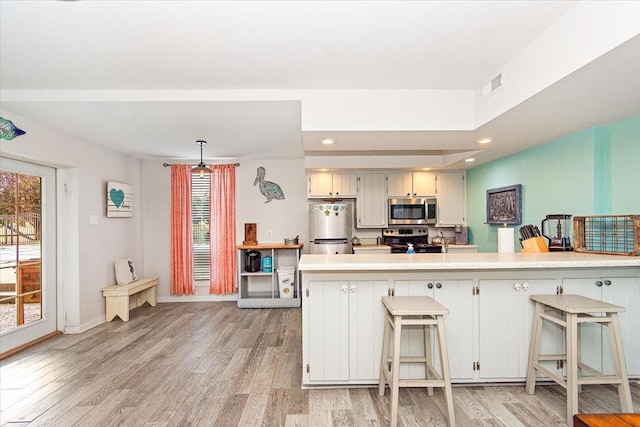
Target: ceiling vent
column 492, row 86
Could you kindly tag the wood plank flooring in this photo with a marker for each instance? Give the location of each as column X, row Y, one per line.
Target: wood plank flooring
column 212, row 364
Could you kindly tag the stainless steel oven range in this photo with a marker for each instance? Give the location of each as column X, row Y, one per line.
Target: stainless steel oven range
column 398, row 238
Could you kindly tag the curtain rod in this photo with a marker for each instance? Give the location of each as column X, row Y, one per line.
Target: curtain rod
column 169, row 164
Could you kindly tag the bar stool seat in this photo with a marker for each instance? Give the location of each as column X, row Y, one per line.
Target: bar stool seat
column 570, row 312
column 426, row 312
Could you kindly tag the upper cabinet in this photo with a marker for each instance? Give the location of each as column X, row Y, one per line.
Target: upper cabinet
column 411, row 184
column 451, row 192
column 332, row 184
column 371, row 202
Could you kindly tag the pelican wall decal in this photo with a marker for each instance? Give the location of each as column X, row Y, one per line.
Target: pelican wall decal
column 269, row 189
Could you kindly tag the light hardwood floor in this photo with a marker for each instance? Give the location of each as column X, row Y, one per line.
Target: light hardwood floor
column 212, row 364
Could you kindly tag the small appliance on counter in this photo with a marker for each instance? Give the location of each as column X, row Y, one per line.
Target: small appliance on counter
column 252, row 261
column 462, row 235
column 331, row 228
column 555, row 228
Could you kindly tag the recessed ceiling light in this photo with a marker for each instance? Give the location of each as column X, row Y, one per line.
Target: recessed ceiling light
column 327, row 141
column 470, row 159
column 484, row 140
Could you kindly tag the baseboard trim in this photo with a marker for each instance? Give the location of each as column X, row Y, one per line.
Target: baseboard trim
column 29, row 344
column 198, row 298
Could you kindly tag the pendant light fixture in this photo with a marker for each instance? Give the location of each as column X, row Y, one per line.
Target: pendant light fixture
column 201, row 169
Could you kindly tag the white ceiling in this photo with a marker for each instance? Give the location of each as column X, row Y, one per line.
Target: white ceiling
column 151, row 77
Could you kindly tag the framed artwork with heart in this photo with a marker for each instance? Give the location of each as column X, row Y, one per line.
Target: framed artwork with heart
column 119, row 200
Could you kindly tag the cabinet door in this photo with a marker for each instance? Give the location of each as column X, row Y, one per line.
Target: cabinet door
column 320, row 184
column 451, row 192
column 366, row 325
column 371, row 204
column 345, row 184
column 457, row 296
column 595, row 347
column 412, row 343
column 505, row 325
column 424, row 184
column 328, row 311
column 625, row 292
column 400, row 184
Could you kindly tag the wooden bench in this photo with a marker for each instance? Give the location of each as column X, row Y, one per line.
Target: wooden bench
column 117, row 297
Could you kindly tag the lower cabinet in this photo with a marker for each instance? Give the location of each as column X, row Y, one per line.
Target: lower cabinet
column 456, row 295
column 488, row 327
column 623, row 291
column 505, row 323
column 345, row 321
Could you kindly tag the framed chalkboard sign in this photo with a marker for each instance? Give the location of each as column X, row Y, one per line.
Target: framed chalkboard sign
column 504, row 205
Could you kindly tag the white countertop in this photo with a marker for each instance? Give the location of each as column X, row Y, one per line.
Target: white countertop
column 463, row 261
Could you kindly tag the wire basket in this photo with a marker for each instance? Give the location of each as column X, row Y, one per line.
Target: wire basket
column 607, row 234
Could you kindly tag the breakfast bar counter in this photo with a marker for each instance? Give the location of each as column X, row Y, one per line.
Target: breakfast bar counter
column 464, row 261
column 490, row 314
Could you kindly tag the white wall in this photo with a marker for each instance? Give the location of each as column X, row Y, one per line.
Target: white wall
column 285, row 218
column 86, row 252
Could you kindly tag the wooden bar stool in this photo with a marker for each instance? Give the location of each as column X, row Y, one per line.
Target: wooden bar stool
column 573, row 310
column 404, row 311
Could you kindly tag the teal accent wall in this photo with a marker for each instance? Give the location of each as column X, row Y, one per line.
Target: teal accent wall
column 592, row 172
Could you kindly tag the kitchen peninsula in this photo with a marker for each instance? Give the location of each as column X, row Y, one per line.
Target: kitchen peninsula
column 489, row 325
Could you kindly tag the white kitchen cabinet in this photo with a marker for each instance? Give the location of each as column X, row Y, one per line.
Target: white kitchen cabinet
column 371, row 202
column 345, row 324
column 491, row 315
column 411, row 184
column 455, row 295
column 451, row 194
column 505, row 315
column 332, row 184
column 622, row 291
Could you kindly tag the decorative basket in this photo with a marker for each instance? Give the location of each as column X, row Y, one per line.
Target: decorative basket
column 607, row 234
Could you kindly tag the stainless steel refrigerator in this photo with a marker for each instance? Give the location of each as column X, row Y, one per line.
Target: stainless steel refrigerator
column 330, row 228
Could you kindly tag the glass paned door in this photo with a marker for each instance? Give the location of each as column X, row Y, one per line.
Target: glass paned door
column 27, row 253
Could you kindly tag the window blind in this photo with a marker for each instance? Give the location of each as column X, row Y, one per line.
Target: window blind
column 200, row 190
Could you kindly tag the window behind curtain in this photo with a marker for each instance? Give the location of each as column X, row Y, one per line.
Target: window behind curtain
column 200, row 226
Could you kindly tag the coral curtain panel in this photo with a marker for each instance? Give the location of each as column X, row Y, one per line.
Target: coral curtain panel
column 181, row 233
column 222, row 228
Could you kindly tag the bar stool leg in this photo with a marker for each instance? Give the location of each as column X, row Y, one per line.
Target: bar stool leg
column 624, row 392
column 395, row 368
column 572, row 366
column 384, row 357
column 534, row 350
column 446, row 375
column 428, row 360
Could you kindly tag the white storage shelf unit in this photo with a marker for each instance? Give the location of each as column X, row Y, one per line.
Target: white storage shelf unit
column 262, row 289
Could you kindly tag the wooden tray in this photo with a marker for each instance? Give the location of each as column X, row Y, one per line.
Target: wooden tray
column 607, row 234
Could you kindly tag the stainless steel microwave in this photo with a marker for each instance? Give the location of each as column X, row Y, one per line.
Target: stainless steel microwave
column 412, row 211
